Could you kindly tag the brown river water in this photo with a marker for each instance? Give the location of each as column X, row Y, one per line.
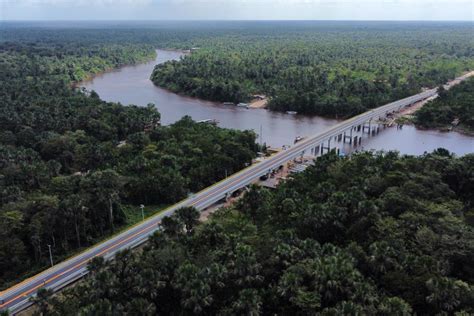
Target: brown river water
column 131, row 85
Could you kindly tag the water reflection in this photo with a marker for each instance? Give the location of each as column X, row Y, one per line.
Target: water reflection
column 131, row 85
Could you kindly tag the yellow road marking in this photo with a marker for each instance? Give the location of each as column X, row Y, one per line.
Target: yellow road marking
column 144, row 229
column 116, row 244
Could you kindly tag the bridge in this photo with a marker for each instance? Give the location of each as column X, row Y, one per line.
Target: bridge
column 18, row 297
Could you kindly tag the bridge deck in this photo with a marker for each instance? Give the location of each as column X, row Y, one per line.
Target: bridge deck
column 17, row 297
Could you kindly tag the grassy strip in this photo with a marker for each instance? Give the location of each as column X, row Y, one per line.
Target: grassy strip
column 133, row 216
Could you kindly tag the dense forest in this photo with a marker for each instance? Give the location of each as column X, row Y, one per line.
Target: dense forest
column 370, row 234
column 73, row 168
column 332, row 69
column 455, row 104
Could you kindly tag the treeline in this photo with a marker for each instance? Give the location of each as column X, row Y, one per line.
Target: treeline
column 74, row 169
column 371, row 234
column 328, row 69
column 452, row 107
column 67, row 61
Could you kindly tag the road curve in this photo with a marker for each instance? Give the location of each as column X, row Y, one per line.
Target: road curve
column 17, row 297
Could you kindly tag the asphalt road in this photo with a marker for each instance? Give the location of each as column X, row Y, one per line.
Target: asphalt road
column 17, row 297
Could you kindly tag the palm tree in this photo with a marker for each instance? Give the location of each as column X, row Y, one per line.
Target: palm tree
column 171, row 226
column 249, row 303
column 189, row 216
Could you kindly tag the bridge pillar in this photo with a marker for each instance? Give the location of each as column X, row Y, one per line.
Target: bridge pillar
column 368, row 127
column 348, row 137
column 355, row 141
column 324, row 147
column 339, row 137
column 358, row 128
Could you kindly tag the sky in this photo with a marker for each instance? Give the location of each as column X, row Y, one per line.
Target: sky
column 462, row 10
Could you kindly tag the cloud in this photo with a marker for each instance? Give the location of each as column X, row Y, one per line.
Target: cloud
column 76, row 2
column 230, row 2
column 238, row 9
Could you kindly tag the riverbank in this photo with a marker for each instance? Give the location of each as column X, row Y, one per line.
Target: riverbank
column 408, row 115
column 91, row 76
column 259, row 102
column 131, row 85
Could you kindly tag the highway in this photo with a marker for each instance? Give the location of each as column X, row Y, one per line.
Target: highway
column 17, row 297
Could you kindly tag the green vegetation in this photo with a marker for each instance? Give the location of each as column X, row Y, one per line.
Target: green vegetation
column 133, row 213
column 73, row 168
column 373, row 234
column 455, row 104
column 66, row 62
column 332, row 69
column 370, row 234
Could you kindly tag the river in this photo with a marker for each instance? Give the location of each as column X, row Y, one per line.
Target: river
column 131, row 85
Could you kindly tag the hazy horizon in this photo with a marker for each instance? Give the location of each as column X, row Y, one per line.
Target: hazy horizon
column 236, row 10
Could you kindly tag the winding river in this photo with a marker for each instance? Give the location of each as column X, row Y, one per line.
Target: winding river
column 131, row 85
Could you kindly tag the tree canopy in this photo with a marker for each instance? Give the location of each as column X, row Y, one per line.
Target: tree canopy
column 73, row 168
column 336, row 69
column 370, row 234
column 455, row 104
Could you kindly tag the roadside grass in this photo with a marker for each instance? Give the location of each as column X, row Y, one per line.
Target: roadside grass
column 133, row 215
column 405, row 120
